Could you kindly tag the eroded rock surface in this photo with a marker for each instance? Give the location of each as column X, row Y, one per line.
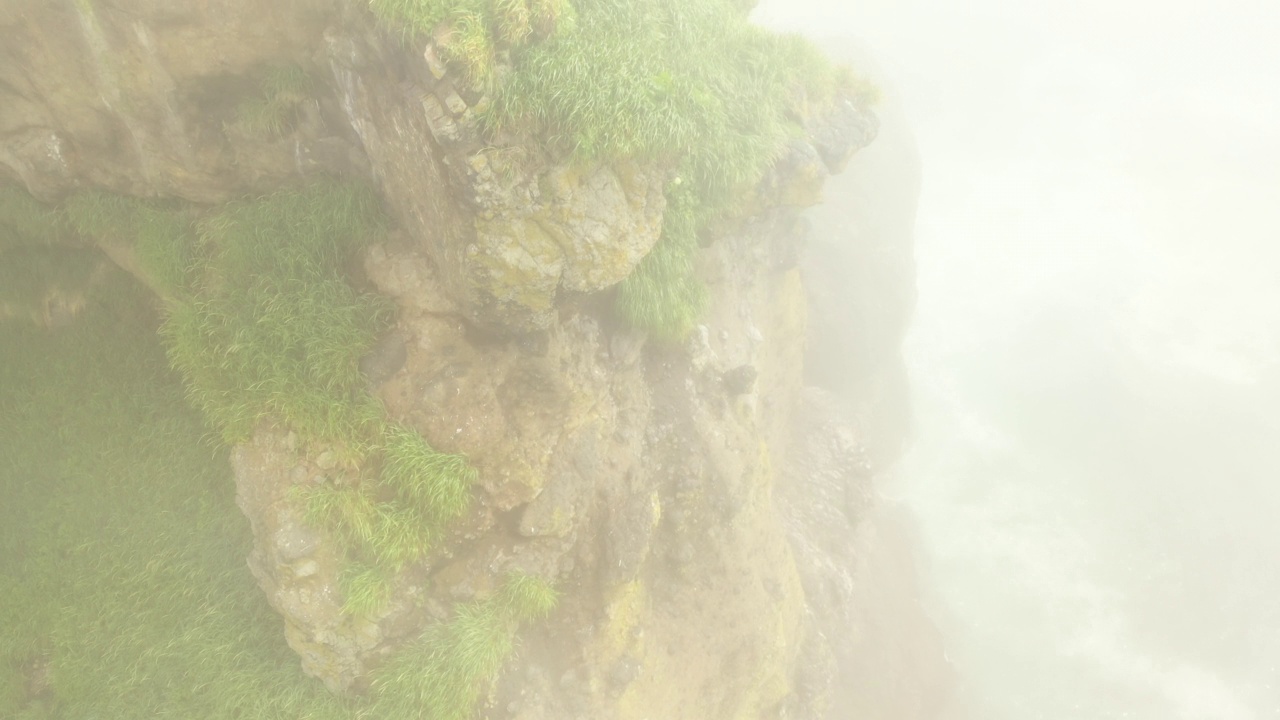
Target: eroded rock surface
column 701, row 527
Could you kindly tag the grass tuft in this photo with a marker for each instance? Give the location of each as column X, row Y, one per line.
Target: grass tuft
column 447, row 671
column 550, row 16
column 274, row 110
column 262, row 324
column 514, row 19
column 689, row 85
column 469, row 45
column 273, row 329
column 436, row 484
column 422, row 491
column 161, row 236
column 365, row 589
column 525, row 598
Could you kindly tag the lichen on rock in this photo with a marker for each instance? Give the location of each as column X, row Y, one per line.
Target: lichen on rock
column 462, row 298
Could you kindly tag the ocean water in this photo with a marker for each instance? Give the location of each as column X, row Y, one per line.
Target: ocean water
column 1095, row 357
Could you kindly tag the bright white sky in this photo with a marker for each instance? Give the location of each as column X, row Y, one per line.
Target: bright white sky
column 1098, row 253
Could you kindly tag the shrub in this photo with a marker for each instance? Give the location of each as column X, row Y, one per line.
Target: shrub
column 365, row 589
column 664, row 294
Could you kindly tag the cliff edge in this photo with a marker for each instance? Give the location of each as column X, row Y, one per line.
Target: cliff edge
column 499, row 367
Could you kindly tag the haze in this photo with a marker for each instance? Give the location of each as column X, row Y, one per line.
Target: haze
column 1096, row 352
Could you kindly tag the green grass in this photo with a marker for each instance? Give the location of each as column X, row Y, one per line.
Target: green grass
column 401, row 517
column 365, row 589
column 272, row 329
column 664, row 294
column 273, row 110
column 161, row 236
column 688, row 85
column 263, row 324
column 261, row 320
column 437, row 484
column 445, row 674
column 122, row 552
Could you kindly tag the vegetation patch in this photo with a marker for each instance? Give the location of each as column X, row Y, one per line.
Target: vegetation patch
column 690, row 85
column 664, row 294
column 395, row 521
column 274, row 110
column 270, row 327
column 447, row 671
column 261, row 322
column 123, row 590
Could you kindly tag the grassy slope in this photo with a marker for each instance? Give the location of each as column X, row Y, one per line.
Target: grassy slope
column 120, row 545
column 121, row 549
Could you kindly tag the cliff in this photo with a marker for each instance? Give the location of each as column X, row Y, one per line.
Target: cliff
column 494, row 365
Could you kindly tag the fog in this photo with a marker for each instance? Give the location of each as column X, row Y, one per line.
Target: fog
column 1095, row 357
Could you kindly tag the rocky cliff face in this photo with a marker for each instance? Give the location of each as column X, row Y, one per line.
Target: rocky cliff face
column 702, row 512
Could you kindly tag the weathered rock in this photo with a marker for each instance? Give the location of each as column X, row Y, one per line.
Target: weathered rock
column 561, row 229
column 838, row 134
column 136, row 97
column 797, row 178
column 310, row 602
column 294, row 542
column 740, row 380
column 385, row 359
column 647, row 479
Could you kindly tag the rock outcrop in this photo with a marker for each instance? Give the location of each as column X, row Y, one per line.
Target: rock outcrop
column 697, row 507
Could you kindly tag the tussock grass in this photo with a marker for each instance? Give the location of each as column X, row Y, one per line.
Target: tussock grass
column 260, row 320
column 469, row 45
column 161, row 235
column 263, row 325
column 514, row 19
column 421, row 489
column 437, row 484
column 385, row 534
column 273, row 111
column 273, row 330
column 448, row 670
column 123, row 590
column 688, row 85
